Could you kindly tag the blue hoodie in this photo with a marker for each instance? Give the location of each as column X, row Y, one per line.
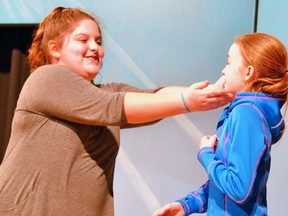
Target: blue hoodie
column 238, row 171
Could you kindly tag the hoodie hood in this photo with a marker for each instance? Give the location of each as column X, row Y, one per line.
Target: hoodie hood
column 270, row 106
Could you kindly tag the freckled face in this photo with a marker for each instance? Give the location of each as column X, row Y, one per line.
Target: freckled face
column 233, row 73
column 82, row 50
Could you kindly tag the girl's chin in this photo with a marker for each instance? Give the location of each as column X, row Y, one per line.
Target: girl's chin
column 93, row 75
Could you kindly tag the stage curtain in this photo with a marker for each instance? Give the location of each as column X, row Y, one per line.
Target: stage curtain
column 14, row 70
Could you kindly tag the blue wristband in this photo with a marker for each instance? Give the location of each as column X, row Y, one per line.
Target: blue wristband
column 184, row 103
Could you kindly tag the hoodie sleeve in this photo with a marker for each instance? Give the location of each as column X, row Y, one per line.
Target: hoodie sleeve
column 196, row 201
column 243, row 146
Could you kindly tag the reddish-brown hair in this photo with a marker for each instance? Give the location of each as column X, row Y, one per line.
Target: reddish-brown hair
column 56, row 26
column 268, row 55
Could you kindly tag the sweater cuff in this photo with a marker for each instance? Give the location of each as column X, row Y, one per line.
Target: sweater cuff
column 206, row 156
column 185, row 206
column 189, row 205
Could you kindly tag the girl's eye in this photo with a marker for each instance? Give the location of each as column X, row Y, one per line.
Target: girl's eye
column 83, row 40
column 99, row 42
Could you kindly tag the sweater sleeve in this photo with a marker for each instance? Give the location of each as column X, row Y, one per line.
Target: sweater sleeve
column 196, row 201
column 246, row 136
column 122, row 87
column 60, row 93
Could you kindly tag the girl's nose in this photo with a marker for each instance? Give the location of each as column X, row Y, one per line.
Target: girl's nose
column 93, row 45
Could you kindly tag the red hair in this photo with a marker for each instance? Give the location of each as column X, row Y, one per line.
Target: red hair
column 56, row 26
column 268, row 55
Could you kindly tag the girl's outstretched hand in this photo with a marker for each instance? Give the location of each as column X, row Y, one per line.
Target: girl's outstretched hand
column 201, row 96
column 171, row 209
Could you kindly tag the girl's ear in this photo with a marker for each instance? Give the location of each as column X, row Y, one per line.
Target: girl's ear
column 249, row 73
column 54, row 51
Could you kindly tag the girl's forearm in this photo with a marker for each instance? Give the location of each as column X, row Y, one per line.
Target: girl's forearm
column 143, row 107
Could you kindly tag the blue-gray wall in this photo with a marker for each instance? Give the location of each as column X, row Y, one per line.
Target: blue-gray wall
column 168, row 42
